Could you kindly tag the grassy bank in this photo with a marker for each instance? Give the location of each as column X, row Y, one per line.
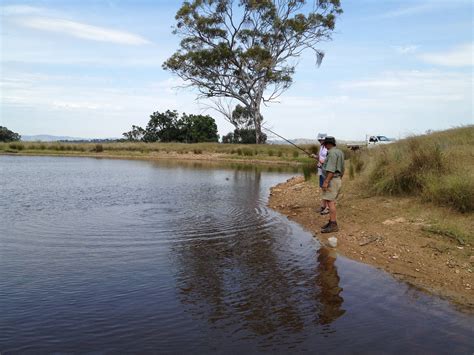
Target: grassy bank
column 268, row 153
column 437, row 167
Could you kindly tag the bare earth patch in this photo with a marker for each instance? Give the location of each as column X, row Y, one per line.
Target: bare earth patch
column 390, row 234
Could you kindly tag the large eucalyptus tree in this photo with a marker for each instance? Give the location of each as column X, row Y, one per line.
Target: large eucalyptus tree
column 246, row 51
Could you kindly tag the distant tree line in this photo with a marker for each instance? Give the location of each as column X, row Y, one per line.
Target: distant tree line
column 8, row 136
column 170, row 127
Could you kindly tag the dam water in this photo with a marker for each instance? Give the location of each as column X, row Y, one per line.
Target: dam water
column 102, row 255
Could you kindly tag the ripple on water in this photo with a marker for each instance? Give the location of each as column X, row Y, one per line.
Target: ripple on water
column 117, row 256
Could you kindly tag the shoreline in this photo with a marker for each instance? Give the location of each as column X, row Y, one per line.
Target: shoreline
column 387, row 233
column 171, row 156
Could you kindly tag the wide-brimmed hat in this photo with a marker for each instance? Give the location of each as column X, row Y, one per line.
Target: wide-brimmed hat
column 322, row 136
column 330, row 140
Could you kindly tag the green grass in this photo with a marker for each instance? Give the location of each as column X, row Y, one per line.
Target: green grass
column 437, row 167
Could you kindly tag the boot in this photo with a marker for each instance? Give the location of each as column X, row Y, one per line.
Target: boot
column 330, row 228
column 326, row 225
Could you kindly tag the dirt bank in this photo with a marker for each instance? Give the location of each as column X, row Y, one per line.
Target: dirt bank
column 390, row 234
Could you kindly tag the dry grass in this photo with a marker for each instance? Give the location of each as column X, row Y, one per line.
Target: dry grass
column 438, row 168
column 141, row 149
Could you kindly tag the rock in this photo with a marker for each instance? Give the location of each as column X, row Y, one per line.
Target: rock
column 332, row 242
column 395, row 256
column 471, row 259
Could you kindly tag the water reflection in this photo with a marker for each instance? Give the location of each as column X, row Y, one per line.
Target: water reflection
column 109, row 256
column 329, row 295
column 254, row 281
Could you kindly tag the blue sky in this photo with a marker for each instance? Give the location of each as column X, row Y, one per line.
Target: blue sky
column 93, row 68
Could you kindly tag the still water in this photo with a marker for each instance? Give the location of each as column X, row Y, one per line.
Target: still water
column 131, row 256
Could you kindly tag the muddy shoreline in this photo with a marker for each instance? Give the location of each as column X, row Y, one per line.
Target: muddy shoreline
column 386, row 233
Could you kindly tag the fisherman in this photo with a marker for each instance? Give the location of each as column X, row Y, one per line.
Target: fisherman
column 324, row 209
column 333, row 169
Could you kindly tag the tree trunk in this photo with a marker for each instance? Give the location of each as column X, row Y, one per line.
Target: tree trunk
column 258, row 130
column 257, row 122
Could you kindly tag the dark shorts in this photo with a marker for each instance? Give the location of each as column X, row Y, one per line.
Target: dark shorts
column 321, row 180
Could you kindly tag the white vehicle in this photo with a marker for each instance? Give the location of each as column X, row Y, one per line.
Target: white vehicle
column 372, row 141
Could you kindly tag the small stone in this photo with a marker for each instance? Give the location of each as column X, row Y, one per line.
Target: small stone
column 471, row 259
column 457, row 271
column 395, row 256
column 332, row 242
column 417, row 270
column 460, row 248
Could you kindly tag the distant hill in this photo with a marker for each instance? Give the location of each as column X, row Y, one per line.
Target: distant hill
column 306, row 141
column 49, row 138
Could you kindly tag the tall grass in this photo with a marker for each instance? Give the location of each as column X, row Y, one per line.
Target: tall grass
column 438, row 167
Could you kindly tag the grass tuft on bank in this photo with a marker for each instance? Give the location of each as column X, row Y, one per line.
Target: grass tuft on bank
column 436, row 167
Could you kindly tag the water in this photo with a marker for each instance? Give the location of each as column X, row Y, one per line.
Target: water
column 130, row 256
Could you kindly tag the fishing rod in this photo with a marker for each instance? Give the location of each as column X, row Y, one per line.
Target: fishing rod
column 286, row 140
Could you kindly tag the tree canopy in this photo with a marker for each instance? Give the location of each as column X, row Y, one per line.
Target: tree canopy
column 245, row 50
column 8, row 136
column 169, row 127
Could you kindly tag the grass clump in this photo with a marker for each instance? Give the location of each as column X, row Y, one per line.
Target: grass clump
column 197, row 151
column 435, row 167
column 99, row 148
column 296, row 154
column 247, row 152
column 16, row 146
column 454, row 190
column 309, row 169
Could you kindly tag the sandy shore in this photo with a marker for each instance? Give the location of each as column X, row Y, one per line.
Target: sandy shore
column 388, row 234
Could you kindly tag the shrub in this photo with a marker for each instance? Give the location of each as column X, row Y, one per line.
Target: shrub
column 16, row 146
column 296, row 154
column 248, row 152
column 197, row 151
column 98, row 148
column 239, row 151
column 280, row 153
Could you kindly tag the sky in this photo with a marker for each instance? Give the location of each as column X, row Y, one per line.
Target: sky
column 93, row 68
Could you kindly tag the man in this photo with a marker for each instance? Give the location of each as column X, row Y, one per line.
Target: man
column 333, row 169
column 323, row 210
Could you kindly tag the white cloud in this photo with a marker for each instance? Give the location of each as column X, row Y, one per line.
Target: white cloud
column 408, row 10
column 408, row 49
column 11, row 10
column 81, row 30
column 461, row 56
column 392, row 103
